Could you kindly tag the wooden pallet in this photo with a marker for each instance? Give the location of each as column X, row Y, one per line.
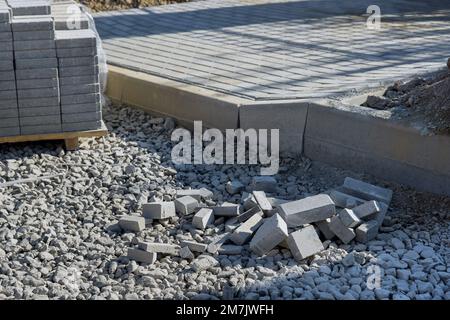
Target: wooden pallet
column 71, row 139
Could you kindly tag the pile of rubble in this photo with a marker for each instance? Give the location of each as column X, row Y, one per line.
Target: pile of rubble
column 260, row 223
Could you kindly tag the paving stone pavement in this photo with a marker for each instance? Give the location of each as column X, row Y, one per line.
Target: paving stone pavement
column 266, row 50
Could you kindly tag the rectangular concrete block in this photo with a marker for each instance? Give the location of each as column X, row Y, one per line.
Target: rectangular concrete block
column 8, row 104
column 35, row 54
column 34, row 35
column 6, row 55
column 244, row 232
column 37, row 93
column 9, row 122
column 308, row 210
column 264, row 183
column 9, row 132
column 41, row 120
column 227, row 209
column 38, row 102
column 5, row 26
column 367, row 191
column 159, row 210
column 68, row 81
column 81, row 126
column 81, row 117
column 9, row 113
column 5, row 36
column 250, row 213
column 194, row 246
column 132, row 223
column 32, row 23
column 217, row 242
column 7, row 85
column 81, row 98
column 47, row 128
column 249, row 201
column 80, row 108
column 269, row 235
column 80, row 89
column 24, row 64
column 8, row 95
column 186, row 205
column 261, row 199
column 39, row 111
column 26, row 45
column 7, row 75
column 30, row 7
column 45, row 73
column 142, row 256
column 349, row 218
column 304, row 243
column 198, row 194
column 6, row 65
column 343, row 200
column 75, row 39
column 164, row 248
column 368, row 208
column 37, row 83
column 203, row 218
column 229, row 250
column 76, row 52
column 78, row 61
column 367, row 231
column 345, row 234
column 324, row 228
column 7, row 46
column 78, row 71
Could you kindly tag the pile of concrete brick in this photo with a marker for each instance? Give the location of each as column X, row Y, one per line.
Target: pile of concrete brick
column 49, row 80
column 354, row 211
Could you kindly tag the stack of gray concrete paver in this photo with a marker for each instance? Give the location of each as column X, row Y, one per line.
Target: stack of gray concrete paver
column 260, row 223
column 79, row 79
column 9, row 116
column 68, row 15
column 49, row 80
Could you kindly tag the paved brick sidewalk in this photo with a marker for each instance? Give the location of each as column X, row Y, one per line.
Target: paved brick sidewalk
column 267, row 50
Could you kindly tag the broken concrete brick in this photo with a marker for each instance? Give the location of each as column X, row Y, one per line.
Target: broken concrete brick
column 304, row 243
column 249, row 213
column 186, row 205
column 269, row 235
column 349, row 218
column 244, row 232
column 307, row 210
column 379, row 216
column 142, row 256
column 204, row 262
column 367, row 208
column 163, row 248
column 203, row 218
column 132, row 223
column 234, row 187
column 186, row 253
column 229, row 249
column 261, row 199
column 366, row 190
column 324, row 228
column 274, row 202
column 198, row 194
column 217, row 242
column 194, row 246
column 264, row 183
column 367, row 231
column 345, row 234
column 158, row 210
column 227, row 209
column 341, row 199
column 248, row 201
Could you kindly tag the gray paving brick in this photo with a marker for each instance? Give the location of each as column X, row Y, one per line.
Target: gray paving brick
column 7, row 75
column 37, row 83
column 35, row 54
column 79, row 108
column 40, row 120
column 38, row 102
column 9, row 122
column 5, row 27
column 28, row 74
column 6, row 65
column 47, row 128
column 159, row 210
column 79, row 80
column 81, row 117
column 367, row 191
column 272, row 232
column 7, row 85
column 75, row 39
column 34, row 45
column 142, row 255
column 5, row 36
column 82, row 126
column 77, row 71
column 80, row 99
column 344, row 233
column 24, row 64
column 7, row 132
column 80, row 89
column 8, row 94
column 8, row 104
column 76, row 52
column 29, row 8
column 32, row 23
column 9, row 113
column 37, row 93
column 78, row 61
column 34, row 35
column 304, row 243
column 39, row 111
column 6, row 55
